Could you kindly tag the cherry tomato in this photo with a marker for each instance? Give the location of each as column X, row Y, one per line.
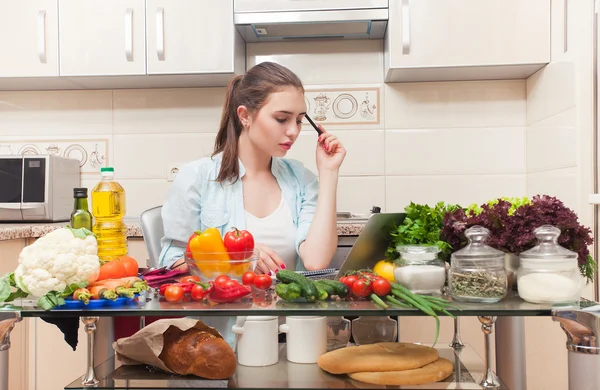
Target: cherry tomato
column 381, row 287
column 362, row 288
column 198, row 293
column 188, row 279
column 248, row 278
column 350, row 280
column 221, row 279
column 262, row 282
column 174, row 293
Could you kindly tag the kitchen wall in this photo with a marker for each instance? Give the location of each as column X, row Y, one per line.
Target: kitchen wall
column 424, row 142
column 559, row 157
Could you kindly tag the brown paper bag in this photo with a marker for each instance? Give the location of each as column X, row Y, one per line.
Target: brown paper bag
column 145, row 346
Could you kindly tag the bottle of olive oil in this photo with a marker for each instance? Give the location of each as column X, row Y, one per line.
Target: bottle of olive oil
column 108, row 208
column 81, row 216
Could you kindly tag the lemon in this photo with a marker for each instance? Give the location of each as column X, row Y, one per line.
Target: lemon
column 385, row 269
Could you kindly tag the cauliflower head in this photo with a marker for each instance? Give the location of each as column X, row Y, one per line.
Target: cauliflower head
column 63, row 257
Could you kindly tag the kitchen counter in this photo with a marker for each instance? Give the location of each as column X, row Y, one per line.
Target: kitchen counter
column 13, row 231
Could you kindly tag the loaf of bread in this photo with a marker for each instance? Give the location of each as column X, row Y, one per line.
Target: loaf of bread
column 200, row 352
column 377, row 358
column 432, row 372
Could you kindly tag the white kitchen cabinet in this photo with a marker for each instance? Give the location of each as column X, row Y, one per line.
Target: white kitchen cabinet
column 432, row 40
column 102, row 39
column 191, row 37
column 28, row 38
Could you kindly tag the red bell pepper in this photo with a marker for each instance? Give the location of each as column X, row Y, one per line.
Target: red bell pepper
column 228, row 294
column 239, row 244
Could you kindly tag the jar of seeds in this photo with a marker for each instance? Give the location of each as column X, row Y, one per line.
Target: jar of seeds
column 477, row 272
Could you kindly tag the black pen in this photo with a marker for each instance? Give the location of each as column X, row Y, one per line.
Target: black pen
column 313, row 124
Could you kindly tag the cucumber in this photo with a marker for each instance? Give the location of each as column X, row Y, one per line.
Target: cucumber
column 322, row 294
column 309, row 289
column 288, row 292
column 330, row 290
column 339, row 288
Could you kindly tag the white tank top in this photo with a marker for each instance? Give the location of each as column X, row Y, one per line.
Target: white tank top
column 277, row 231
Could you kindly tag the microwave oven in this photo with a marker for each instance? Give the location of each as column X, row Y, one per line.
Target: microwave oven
column 37, row 188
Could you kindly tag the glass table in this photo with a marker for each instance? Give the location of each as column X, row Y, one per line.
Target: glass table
column 110, row 375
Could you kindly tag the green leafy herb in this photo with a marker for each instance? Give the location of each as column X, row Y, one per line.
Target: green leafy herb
column 421, row 226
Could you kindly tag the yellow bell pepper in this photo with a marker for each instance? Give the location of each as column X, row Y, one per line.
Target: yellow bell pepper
column 209, row 251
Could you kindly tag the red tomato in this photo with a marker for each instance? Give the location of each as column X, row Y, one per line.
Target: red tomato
column 342, row 280
column 187, row 248
column 221, row 279
column 189, row 278
column 262, row 282
column 239, row 244
column 350, row 280
column 381, row 287
column 174, row 293
column 361, row 288
column 198, row 293
column 248, row 278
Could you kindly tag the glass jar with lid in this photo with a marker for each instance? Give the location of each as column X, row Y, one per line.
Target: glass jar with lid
column 419, row 269
column 477, row 272
column 549, row 273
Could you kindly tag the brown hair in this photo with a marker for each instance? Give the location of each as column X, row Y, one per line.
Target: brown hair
column 250, row 90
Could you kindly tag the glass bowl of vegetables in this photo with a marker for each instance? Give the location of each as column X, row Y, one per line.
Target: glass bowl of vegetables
column 208, row 265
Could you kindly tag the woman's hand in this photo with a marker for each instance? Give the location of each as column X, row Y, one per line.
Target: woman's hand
column 269, row 261
column 330, row 152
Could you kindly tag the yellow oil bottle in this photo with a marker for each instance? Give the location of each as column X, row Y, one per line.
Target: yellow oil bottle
column 108, row 209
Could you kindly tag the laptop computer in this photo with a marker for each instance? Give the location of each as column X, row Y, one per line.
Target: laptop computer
column 372, row 242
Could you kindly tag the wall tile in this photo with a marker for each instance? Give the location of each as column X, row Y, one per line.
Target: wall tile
column 325, row 62
column 552, row 142
column 46, row 113
column 137, row 194
column 363, row 151
column 147, row 156
column 464, row 190
column 455, row 151
column 359, row 194
column 146, row 111
column 550, row 91
column 560, row 183
column 93, row 152
column 455, row 104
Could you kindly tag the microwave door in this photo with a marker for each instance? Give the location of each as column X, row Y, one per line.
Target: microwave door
column 11, row 188
column 35, row 188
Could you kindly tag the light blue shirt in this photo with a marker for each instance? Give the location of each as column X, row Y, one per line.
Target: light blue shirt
column 197, row 201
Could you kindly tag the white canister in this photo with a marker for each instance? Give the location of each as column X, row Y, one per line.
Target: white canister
column 306, row 338
column 258, row 342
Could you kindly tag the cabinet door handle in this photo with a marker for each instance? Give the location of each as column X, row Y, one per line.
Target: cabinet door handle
column 129, row 34
column 41, row 35
column 405, row 27
column 160, row 33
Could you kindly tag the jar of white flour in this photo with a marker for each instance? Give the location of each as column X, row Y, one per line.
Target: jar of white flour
column 419, row 269
column 548, row 272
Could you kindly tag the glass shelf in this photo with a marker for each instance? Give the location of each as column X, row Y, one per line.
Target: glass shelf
column 266, row 304
column 468, row 372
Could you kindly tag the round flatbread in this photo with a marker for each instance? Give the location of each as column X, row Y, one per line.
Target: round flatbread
column 430, row 373
column 377, row 358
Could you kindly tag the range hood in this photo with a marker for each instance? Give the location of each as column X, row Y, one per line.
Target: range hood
column 278, row 20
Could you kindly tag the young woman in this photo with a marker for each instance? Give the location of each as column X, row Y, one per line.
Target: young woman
column 248, row 184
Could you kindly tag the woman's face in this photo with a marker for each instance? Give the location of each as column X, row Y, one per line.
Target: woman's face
column 276, row 126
